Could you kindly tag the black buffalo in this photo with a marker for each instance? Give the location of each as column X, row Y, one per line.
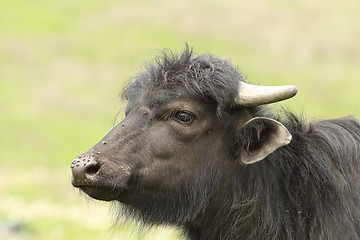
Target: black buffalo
column 200, row 149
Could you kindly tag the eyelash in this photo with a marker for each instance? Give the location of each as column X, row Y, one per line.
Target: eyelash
column 182, row 117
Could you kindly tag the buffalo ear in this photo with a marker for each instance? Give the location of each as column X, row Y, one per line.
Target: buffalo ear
column 260, row 137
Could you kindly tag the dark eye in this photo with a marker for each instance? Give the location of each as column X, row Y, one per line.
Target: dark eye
column 183, row 117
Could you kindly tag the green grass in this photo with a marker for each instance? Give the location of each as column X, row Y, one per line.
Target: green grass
column 63, row 64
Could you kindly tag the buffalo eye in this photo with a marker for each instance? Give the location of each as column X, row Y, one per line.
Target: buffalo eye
column 183, row 117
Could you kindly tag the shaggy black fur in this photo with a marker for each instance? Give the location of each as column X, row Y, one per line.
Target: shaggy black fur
column 186, row 76
column 308, row 189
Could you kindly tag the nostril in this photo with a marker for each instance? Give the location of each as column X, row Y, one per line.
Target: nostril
column 84, row 170
column 92, row 169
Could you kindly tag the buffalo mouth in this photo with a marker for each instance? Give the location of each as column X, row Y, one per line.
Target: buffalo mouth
column 104, row 191
column 99, row 191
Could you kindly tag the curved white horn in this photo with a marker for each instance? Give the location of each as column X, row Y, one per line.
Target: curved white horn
column 252, row 95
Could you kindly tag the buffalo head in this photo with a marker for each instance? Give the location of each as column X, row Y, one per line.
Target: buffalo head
column 190, row 124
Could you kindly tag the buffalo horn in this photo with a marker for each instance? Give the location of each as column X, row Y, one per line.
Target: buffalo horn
column 252, row 95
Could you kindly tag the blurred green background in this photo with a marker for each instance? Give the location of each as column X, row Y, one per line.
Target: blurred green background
column 63, row 64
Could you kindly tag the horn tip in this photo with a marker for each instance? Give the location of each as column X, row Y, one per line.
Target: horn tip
column 293, row 90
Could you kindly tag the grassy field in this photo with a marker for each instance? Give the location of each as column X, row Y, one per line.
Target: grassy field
column 64, row 63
